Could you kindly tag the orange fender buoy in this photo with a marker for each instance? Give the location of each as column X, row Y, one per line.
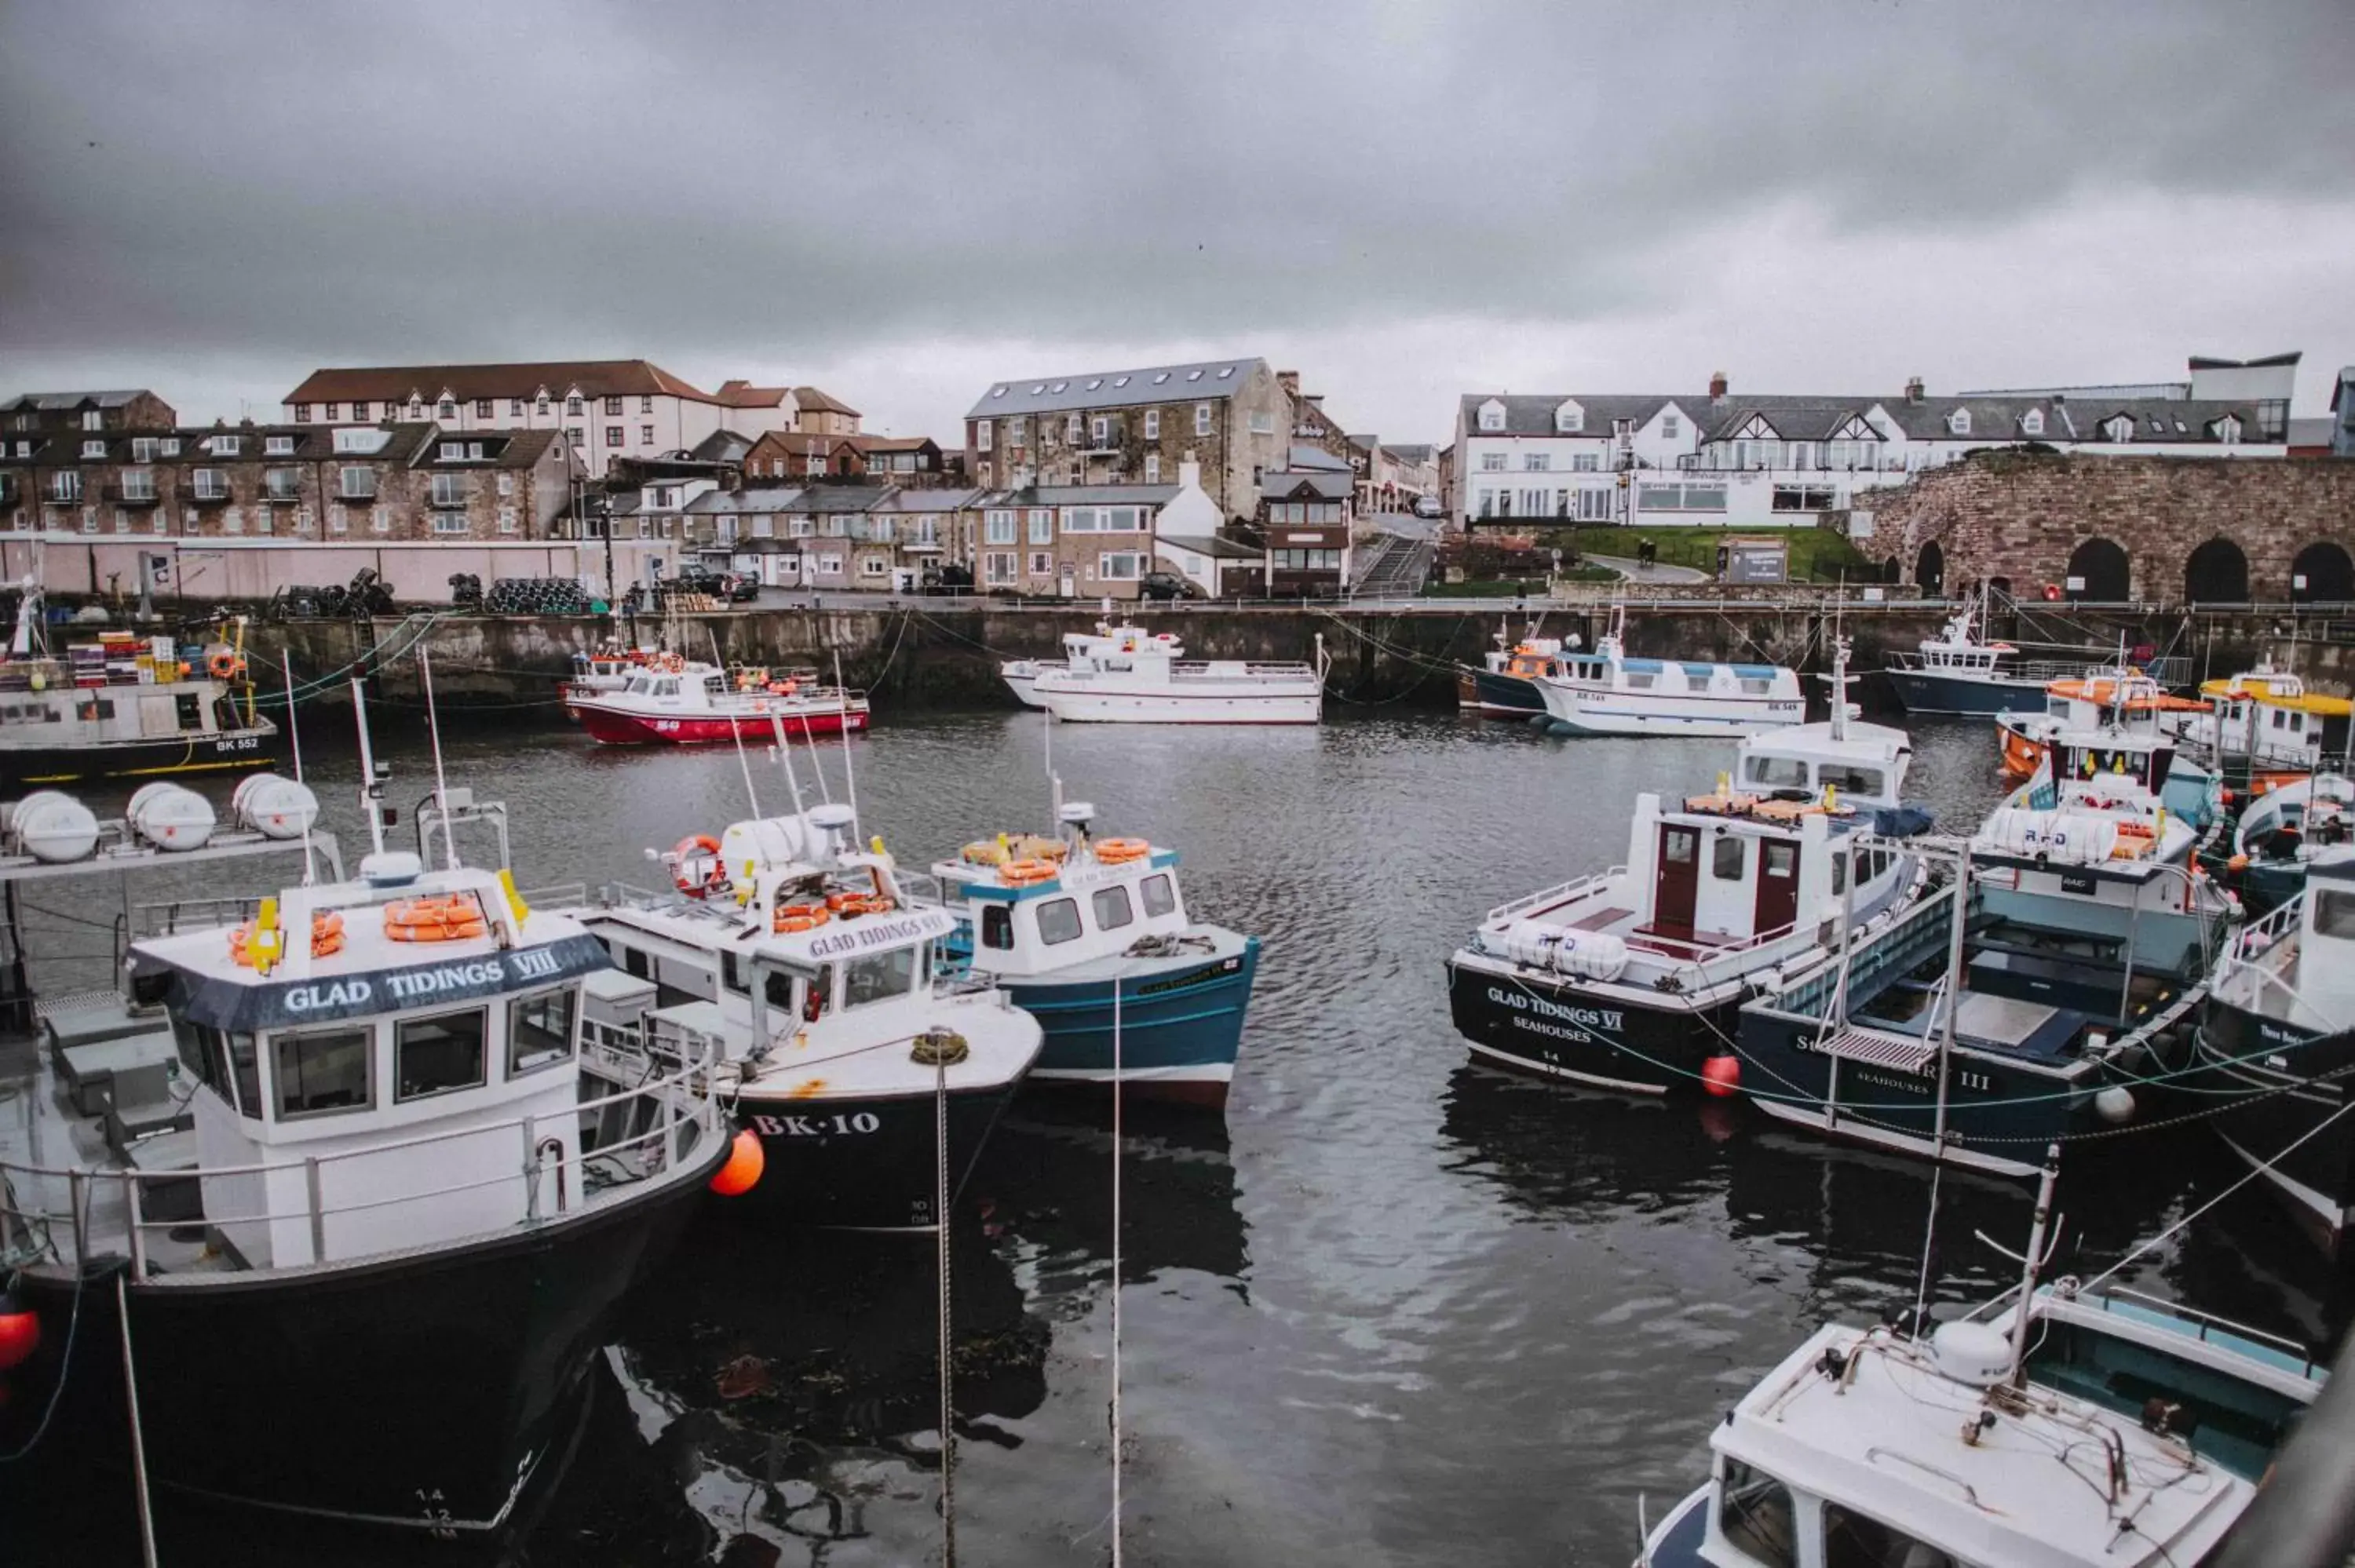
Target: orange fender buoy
column 1720, row 1077
column 741, row 1173
column 21, row 1332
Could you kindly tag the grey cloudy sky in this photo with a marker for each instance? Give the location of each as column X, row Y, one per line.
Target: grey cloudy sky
column 902, row 202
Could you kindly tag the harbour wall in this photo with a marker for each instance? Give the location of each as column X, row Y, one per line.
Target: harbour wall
column 917, row 653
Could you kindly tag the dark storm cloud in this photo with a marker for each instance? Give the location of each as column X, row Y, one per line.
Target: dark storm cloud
column 427, row 181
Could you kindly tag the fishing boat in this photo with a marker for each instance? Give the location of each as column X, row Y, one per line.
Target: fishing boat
column 1092, row 938
column 308, row 1217
column 123, row 705
column 1504, row 684
column 1632, row 978
column 1961, row 671
column 793, row 960
column 2128, row 701
column 1154, row 684
column 1021, row 675
column 2281, row 831
column 1608, row 692
column 2261, row 729
column 605, row 668
column 2275, row 1047
column 674, row 702
column 2055, row 1427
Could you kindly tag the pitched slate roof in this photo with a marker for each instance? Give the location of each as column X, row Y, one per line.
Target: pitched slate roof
column 1206, row 381
column 752, row 498
column 721, row 446
column 590, row 377
column 1317, row 458
column 1212, row 546
column 911, row 498
column 1818, row 417
column 744, row 395
column 1532, row 414
column 811, row 398
column 64, row 402
column 1414, row 456
column 1322, row 483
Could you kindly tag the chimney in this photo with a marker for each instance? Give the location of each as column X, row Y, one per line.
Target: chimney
column 1913, row 389
column 1189, row 473
column 1289, row 380
column 1717, row 387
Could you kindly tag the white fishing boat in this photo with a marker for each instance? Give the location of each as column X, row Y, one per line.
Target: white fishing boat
column 1608, row 692
column 1021, row 675
column 2261, row 728
column 1632, row 978
column 673, row 701
column 1153, row 684
column 2053, row 1428
column 793, row 960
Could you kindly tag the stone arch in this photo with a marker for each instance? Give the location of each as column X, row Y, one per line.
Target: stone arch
column 1930, row 569
column 2322, row 574
column 2102, row 568
column 2217, row 573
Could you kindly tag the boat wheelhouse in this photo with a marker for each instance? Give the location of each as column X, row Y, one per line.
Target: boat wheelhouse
column 327, row 1164
column 2090, row 1431
column 1155, row 684
column 1960, row 672
column 1608, row 692
column 1504, row 684
column 2277, row 1042
column 1021, row 675
column 797, row 963
column 2261, row 729
column 1631, row 979
column 1092, row 938
column 123, row 705
column 672, row 701
column 2281, row 831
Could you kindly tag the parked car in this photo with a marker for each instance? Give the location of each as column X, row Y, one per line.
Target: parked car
column 1166, row 586
column 743, row 587
column 1428, row 506
column 950, row 578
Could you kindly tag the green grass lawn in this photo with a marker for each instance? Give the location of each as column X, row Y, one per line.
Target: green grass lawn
column 1817, row 554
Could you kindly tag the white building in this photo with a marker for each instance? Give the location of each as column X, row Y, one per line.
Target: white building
column 606, row 408
column 1719, row 459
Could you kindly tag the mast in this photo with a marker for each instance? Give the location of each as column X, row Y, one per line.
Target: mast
column 371, row 785
column 2030, row 1262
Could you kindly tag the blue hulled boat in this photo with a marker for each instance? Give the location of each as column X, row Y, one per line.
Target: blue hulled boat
column 1092, row 937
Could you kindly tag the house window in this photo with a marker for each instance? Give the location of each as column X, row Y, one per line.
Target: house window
column 337, row 521
column 646, row 435
column 1000, row 528
column 302, row 413
column 613, row 405
column 1261, row 424
column 227, row 446
column 359, row 411
column 211, row 484
column 1102, row 429
column 572, row 404
column 2120, row 429
column 1041, row 562
column 1042, row 526
column 1151, row 423
column 358, row 483
column 981, row 435
column 506, row 484
column 381, row 520
column 416, row 409
column 1669, row 427
column 1015, row 430
column 93, row 450
column 142, row 449
column 1536, row 462
column 646, row 404
column 1492, row 462
column 539, row 405
column 1152, row 467
column 138, row 484
column 515, row 408
column 1583, row 462
column 449, row 490
column 800, row 527
column 93, row 420
column 997, row 567
column 450, row 523
column 1571, row 419
column 278, row 446
column 1492, row 418
column 1202, row 419
column 1120, row 565
column 873, row 566
column 1804, row 498
column 283, row 483
column 1071, row 430
column 482, row 407
column 612, row 435
column 507, row 519
column 572, row 435
column 1959, row 421
column 90, row 519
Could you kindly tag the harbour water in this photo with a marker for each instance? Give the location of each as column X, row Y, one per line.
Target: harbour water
column 1389, row 1309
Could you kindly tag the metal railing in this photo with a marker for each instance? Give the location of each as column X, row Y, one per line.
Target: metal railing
column 29, row 1232
column 1561, row 893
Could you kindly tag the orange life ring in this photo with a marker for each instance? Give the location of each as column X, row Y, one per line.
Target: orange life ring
column 672, row 664
column 848, row 905
column 1023, row 873
column 801, row 917
column 327, row 940
column 451, row 918
column 1120, row 852
column 224, row 664
column 694, row 846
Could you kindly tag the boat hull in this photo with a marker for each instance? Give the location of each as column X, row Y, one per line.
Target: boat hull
column 863, row 1162
column 1551, row 1027
column 1924, row 692
column 1578, row 710
column 2269, row 1074
column 422, row 1395
column 1504, row 696
column 611, row 726
column 1020, row 676
column 1182, row 1023
column 1301, row 702
column 162, row 759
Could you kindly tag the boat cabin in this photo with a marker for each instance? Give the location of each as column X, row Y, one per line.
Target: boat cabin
column 1729, row 867
column 1865, row 767
column 1033, row 905
column 360, row 1053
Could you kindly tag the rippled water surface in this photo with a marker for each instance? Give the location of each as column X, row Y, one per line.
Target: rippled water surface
column 1393, row 1308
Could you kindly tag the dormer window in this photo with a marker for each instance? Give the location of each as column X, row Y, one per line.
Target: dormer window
column 2120, row 429
column 1492, row 416
column 2032, row 422
column 2228, row 430
column 224, row 446
column 1569, row 419
column 278, row 446
column 1959, row 421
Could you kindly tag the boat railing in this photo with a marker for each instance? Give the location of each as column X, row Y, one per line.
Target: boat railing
column 1561, row 893
column 30, row 1228
column 2202, row 1324
column 165, row 919
column 556, row 895
column 1899, row 945
column 2261, row 950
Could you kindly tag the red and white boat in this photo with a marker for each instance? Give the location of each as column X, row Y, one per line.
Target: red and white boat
column 674, row 702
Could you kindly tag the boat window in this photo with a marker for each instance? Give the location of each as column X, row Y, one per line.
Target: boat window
column 2057, row 706
column 1840, row 872
column 245, row 1067
column 1160, row 898
column 1856, row 1540
column 640, row 686
column 1777, row 772
column 103, row 708
column 1678, row 844
column 539, row 1030
column 190, row 711
column 1850, row 779
column 1756, row 687
column 2334, row 913
column 1059, row 920
column 1641, row 679
column 1726, row 857
column 997, row 926
column 1755, row 1516
column 634, row 961
column 323, row 1071
column 879, row 976
column 1782, row 859
column 1112, row 908
column 666, row 688
column 731, row 972
column 434, row 1055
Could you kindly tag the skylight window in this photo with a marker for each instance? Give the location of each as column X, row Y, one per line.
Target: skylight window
column 1041, row 387
column 1226, row 372
column 1193, row 376
column 1160, row 378
column 1096, row 382
column 998, row 392
column 1120, row 380
column 1060, row 385
column 2179, row 428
